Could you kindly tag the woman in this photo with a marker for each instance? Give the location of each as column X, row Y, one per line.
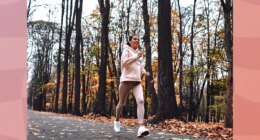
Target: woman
column 132, row 71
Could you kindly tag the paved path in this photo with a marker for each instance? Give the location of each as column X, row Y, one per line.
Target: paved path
column 45, row 126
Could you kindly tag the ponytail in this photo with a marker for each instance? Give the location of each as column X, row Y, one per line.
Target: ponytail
column 130, row 38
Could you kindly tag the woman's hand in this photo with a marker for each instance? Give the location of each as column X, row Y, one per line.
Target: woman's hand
column 140, row 54
column 146, row 74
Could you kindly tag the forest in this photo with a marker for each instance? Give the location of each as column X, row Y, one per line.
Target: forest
column 74, row 64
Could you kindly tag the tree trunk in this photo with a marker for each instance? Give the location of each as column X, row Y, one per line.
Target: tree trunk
column 71, row 89
column 44, row 100
column 113, row 66
column 228, row 40
column 208, row 77
column 78, row 12
column 200, row 97
column 57, row 89
column 112, row 84
column 181, row 60
column 84, row 88
column 167, row 101
column 120, row 40
column 128, row 18
column 101, row 99
column 147, row 42
column 29, row 8
column 65, row 65
column 192, row 106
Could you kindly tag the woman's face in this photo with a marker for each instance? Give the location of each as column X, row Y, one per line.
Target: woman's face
column 134, row 43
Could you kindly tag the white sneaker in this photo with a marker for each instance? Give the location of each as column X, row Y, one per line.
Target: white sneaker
column 142, row 131
column 116, row 126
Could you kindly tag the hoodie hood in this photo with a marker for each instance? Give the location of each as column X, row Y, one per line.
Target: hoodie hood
column 128, row 47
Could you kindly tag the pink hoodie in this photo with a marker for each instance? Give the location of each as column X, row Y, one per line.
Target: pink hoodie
column 131, row 67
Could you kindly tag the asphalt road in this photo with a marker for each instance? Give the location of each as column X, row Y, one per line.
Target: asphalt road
column 45, row 126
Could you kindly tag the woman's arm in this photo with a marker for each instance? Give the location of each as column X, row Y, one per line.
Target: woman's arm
column 143, row 71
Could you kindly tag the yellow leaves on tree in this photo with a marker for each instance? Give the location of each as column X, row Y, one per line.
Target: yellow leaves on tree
column 49, row 86
column 185, row 39
column 95, row 14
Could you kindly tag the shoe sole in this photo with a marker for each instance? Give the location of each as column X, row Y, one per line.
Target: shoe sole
column 145, row 133
column 116, row 131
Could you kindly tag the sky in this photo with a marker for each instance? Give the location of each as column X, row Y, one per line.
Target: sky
column 42, row 12
column 88, row 6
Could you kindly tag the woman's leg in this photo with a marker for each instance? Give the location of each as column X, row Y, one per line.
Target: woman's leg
column 139, row 97
column 124, row 89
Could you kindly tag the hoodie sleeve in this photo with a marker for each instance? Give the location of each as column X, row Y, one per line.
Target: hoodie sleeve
column 126, row 60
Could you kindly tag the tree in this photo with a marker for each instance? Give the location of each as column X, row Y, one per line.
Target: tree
column 181, row 58
column 228, row 41
column 191, row 73
column 78, row 12
column 101, row 99
column 29, row 8
column 121, row 36
column 167, row 107
column 57, row 90
column 208, row 77
column 130, row 3
column 147, row 42
column 83, row 101
column 69, row 28
column 43, row 35
column 113, row 75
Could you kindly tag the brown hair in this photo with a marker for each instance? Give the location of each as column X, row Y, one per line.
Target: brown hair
column 130, row 38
